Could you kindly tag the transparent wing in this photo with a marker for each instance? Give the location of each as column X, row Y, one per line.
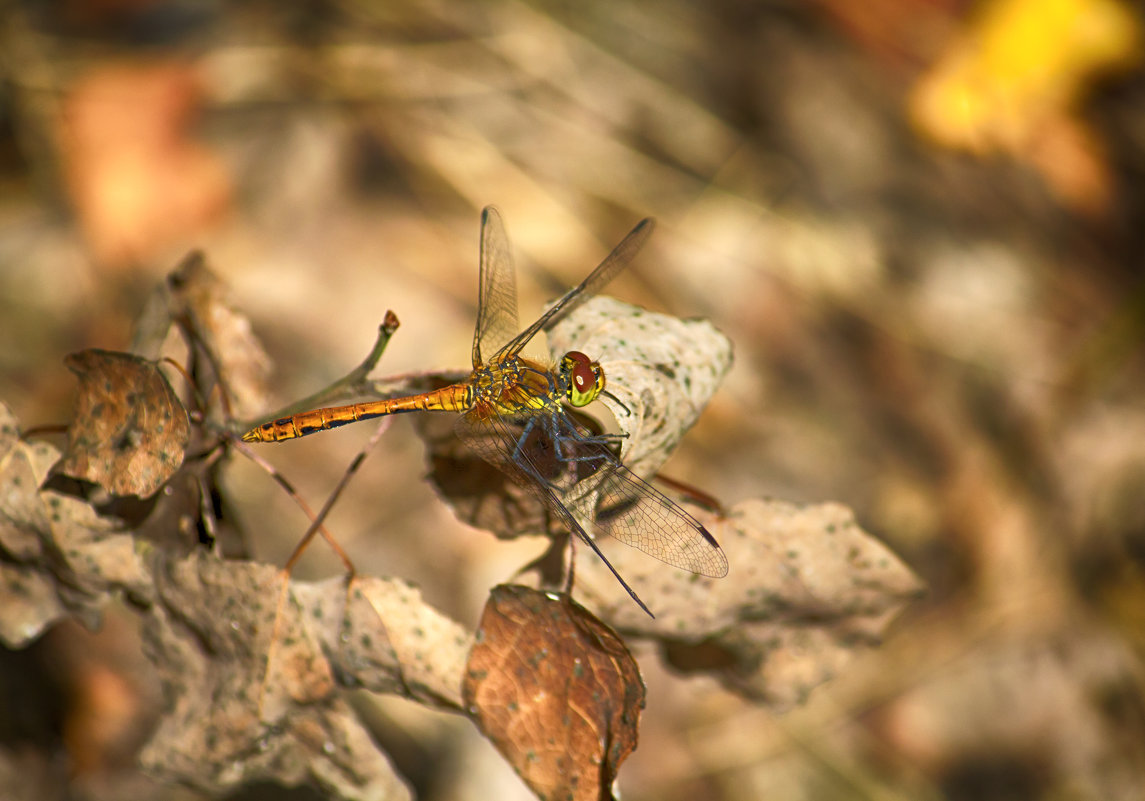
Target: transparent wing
column 625, row 507
column 494, row 439
column 581, row 479
column 497, row 289
column 613, row 263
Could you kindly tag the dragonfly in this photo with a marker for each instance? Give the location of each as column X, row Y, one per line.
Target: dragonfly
column 514, row 413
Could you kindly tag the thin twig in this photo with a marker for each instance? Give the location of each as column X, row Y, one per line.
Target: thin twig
column 353, row 383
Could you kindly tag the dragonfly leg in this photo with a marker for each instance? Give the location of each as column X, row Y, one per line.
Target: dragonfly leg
column 519, row 448
column 604, row 439
column 526, row 464
column 560, row 440
column 591, row 544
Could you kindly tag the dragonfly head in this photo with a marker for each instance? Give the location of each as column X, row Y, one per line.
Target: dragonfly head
column 583, row 378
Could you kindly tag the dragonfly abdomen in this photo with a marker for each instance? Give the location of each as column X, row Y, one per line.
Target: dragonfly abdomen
column 453, row 398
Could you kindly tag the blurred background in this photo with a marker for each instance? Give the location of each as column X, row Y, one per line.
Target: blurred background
column 920, row 222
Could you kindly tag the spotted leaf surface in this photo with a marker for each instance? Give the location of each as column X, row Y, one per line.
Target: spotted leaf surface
column 663, row 369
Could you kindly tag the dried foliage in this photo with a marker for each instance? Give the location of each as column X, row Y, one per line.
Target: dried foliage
column 252, row 661
column 556, row 691
column 130, row 431
column 917, row 222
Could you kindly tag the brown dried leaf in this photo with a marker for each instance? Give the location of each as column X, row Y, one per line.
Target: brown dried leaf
column 556, row 691
column 662, row 368
column 253, row 685
column 808, row 590
column 199, row 299
column 130, row 430
column 56, row 556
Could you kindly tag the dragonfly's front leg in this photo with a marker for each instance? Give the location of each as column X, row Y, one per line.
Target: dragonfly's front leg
column 560, row 440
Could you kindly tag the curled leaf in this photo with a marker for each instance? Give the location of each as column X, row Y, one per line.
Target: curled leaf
column 253, row 674
column 556, row 691
column 130, row 430
column 663, row 369
column 808, row 590
column 57, row 557
column 199, row 299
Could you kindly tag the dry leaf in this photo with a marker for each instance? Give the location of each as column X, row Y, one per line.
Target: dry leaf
column 556, row 691
column 807, row 590
column 662, row 368
column 56, row 556
column 254, row 687
column 199, row 300
column 31, row 604
column 130, row 430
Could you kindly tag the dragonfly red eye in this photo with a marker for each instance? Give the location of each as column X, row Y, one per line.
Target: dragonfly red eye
column 586, row 379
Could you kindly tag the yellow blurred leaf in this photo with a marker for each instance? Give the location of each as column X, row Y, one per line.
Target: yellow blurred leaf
column 1012, row 81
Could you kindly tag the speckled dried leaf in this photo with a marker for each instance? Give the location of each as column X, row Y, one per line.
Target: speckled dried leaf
column 662, row 368
column 253, row 684
column 808, row 590
column 57, row 557
column 130, row 430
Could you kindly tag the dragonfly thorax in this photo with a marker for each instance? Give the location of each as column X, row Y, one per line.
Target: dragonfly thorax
column 512, row 385
column 581, row 377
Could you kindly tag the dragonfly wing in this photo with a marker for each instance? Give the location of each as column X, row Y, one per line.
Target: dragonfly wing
column 580, row 479
column 613, row 263
column 626, row 507
column 495, row 439
column 497, row 289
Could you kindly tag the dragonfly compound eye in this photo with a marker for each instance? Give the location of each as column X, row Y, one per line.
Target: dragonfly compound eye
column 585, row 378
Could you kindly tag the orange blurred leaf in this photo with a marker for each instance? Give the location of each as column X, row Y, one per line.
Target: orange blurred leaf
column 138, row 180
